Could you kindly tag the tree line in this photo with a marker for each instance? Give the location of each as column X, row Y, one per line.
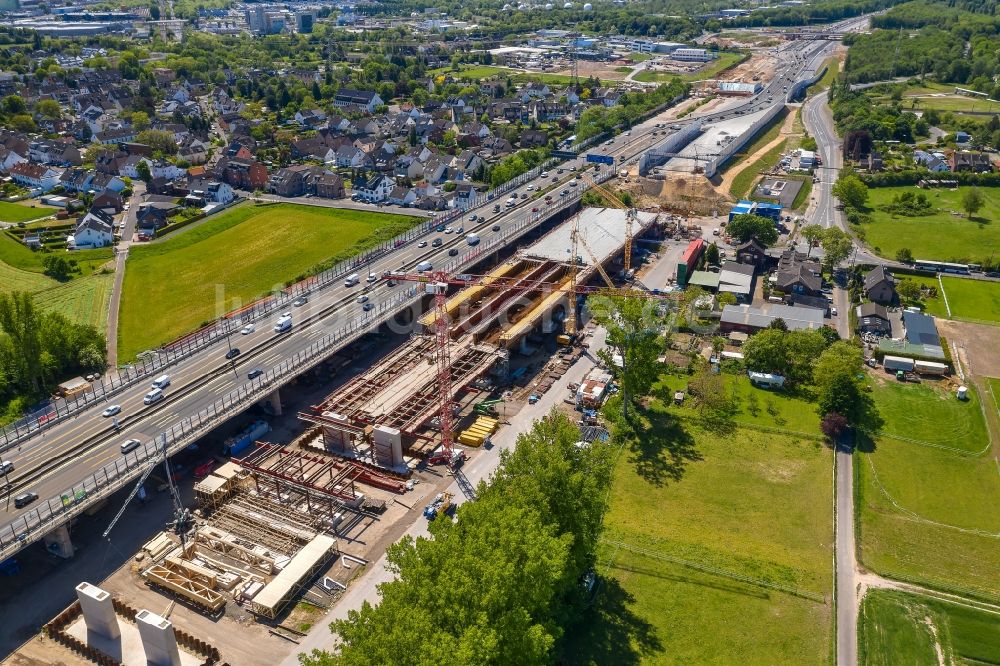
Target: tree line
column 39, row 349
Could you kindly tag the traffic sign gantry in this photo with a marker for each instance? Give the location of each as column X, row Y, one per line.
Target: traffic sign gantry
column 601, row 159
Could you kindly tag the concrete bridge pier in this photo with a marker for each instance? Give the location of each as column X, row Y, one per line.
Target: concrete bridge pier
column 274, row 400
column 58, row 542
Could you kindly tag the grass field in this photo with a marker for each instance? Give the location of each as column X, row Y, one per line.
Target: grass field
column 757, row 407
column 899, row 628
column 951, row 103
column 973, row 299
column 247, row 252
column 712, row 70
column 17, row 212
column 18, row 255
column 994, row 400
column 701, row 529
column 942, row 235
column 82, row 301
column 934, row 306
column 15, row 279
column 928, row 508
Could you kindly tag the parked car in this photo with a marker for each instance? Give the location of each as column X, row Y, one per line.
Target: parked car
column 232, row 353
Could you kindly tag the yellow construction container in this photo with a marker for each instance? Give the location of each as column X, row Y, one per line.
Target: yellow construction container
column 470, row 440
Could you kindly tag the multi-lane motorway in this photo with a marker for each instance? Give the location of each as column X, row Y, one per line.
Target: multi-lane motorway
column 71, row 450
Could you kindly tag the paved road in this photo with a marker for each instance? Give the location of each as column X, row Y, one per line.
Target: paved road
column 823, row 212
column 121, row 254
column 479, row 467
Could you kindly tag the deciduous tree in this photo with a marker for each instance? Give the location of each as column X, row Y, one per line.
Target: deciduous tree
column 745, row 227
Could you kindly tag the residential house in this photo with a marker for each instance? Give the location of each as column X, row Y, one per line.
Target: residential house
column 963, row 160
column 76, row 180
column 402, row 196
column 330, row 186
column 9, row 158
column 292, row 181
column 59, row 153
column 220, row 193
column 106, row 181
column 113, row 137
column 353, row 157
column 879, row 286
column 95, row 229
column 798, row 274
column 465, row 165
column 935, row 163
column 35, row 176
column 193, row 151
column 531, row 138
column 534, row 90
column 873, row 318
column 108, row 201
column 752, row 253
column 242, row 174
column 366, row 100
column 153, row 215
column 465, row 194
column 376, row 189
column 873, row 162
column 310, row 118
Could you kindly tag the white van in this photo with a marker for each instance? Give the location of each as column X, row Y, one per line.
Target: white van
column 352, row 280
column 161, row 382
column 472, row 239
column 284, row 323
column 153, row 396
column 424, row 266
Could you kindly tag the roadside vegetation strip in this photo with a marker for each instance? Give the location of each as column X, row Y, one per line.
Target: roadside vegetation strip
column 715, row 571
column 802, row 196
column 743, row 183
column 766, row 135
column 726, row 61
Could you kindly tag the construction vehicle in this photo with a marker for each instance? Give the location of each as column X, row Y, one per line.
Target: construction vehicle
column 442, row 503
column 488, row 407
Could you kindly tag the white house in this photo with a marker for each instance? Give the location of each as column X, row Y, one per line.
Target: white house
column 95, row 229
column 360, row 99
column 376, row 189
column 35, row 176
column 220, row 193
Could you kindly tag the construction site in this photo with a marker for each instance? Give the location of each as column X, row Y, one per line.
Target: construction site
column 284, row 523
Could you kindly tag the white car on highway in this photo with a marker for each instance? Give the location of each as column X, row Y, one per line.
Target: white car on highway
column 248, row 329
column 362, row 298
column 111, row 411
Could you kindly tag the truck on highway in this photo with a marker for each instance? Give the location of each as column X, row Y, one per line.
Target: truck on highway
column 472, row 239
column 284, row 323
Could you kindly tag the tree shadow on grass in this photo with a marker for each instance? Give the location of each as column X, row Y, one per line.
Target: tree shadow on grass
column 660, row 448
column 609, row 632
